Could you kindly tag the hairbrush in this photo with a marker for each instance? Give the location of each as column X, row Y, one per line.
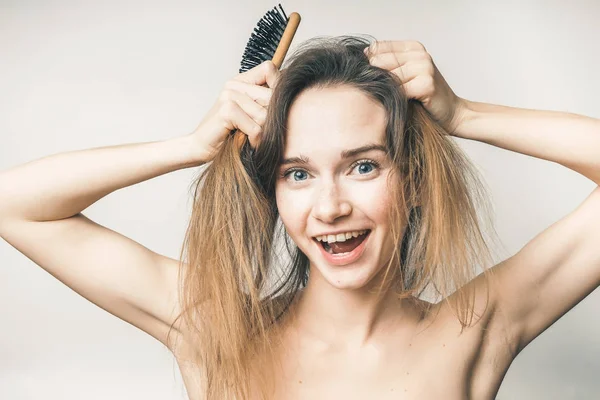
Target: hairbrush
column 270, row 40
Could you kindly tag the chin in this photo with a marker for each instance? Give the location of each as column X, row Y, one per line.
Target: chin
column 346, row 278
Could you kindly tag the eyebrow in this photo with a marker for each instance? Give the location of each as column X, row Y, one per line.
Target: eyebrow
column 303, row 160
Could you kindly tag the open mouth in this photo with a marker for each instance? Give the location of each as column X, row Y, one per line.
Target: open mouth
column 346, row 246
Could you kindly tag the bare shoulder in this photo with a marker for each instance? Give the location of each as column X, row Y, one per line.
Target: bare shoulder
column 483, row 348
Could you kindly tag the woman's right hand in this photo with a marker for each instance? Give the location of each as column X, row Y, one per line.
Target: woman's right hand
column 242, row 105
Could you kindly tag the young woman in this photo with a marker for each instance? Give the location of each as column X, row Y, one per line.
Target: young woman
column 350, row 155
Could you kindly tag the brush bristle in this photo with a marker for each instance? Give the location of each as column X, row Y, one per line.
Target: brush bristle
column 264, row 40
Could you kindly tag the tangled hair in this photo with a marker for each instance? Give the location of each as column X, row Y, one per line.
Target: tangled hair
column 234, row 292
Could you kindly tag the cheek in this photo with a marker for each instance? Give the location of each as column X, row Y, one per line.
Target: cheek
column 375, row 200
column 284, row 203
column 292, row 209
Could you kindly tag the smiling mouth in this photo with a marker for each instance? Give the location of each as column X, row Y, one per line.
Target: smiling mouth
column 344, row 247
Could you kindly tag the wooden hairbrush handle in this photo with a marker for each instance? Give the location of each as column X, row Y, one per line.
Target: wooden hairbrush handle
column 282, row 49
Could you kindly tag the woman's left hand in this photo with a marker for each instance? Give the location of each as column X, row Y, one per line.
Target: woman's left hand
column 420, row 78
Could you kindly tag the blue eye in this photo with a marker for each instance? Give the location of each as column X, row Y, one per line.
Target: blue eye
column 294, row 171
column 359, row 163
column 363, row 164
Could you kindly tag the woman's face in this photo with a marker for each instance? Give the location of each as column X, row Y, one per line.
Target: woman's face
column 330, row 193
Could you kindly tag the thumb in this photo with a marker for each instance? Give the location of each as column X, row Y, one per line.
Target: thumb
column 265, row 72
column 273, row 79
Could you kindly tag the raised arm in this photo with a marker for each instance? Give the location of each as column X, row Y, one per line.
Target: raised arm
column 40, row 215
column 41, row 204
column 561, row 265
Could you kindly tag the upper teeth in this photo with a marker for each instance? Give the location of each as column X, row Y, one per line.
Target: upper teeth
column 340, row 237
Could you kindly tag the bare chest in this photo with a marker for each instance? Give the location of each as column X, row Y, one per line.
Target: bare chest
column 353, row 379
column 381, row 376
column 432, row 366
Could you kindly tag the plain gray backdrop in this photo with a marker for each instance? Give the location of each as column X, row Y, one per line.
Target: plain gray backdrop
column 82, row 74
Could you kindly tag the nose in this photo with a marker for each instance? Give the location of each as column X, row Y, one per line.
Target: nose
column 329, row 204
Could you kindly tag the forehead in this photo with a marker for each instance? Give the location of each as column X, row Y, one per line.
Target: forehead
column 334, row 119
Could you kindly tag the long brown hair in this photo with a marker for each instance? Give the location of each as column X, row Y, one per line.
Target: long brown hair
column 238, row 283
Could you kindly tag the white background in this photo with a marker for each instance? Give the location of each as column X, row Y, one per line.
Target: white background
column 76, row 75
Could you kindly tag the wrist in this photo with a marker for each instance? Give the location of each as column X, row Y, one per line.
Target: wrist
column 465, row 113
column 188, row 152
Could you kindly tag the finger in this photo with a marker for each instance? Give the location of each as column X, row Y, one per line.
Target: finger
column 266, row 72
column 418, row 87
column 242, row 121
column 390, row 61
column 413, row 69
column 393, row 46
column 259, row 94
column 272, row 75
column 254, row 110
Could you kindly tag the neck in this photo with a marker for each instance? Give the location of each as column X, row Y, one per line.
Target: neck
column 348, row 318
